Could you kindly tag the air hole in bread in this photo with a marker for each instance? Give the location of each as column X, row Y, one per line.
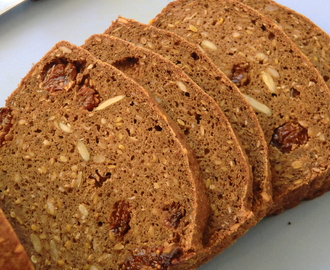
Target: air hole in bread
column 198, row 118
column 271, row 36
column 294, row 92
column 195, row 56
column 125, row 63
column 158, row 128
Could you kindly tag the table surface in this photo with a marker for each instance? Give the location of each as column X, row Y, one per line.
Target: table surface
column 298, row 239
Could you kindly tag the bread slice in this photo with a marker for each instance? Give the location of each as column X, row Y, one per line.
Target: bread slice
column 13, row 255
column 290, row 97
column 310, row 38
column 94, row 173
column 209, row 78
column 222, row 161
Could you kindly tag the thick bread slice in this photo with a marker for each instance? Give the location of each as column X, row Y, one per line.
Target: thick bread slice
column 223, row 163
column 310, row 38
column 12, row 253
column 290, row 97
column 195, row 63
column 92, row 171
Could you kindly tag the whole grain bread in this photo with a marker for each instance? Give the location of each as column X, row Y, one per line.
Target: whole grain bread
column 222, row 161
column 290, row 97
column 197, row 65
column 12, row 253
column 102, row 178
column 310, row 38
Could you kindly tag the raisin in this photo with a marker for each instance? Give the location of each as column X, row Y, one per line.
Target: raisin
column 174, row 213
column 5, row 123
column 120, row 218
column 87, row 98
column 240, row 74
column 155, row 258
column 289, row 136
column 59, row 78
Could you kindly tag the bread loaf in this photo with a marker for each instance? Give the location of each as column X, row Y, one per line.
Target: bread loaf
column 102, row 179
column 195, row 63
column 290, row 97
column 223, row 164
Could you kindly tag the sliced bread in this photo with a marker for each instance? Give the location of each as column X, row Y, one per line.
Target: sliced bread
column 195, row 63
column 92, row 171
column 310, row 38
column 290, row 97
column 12, row 253
column 222, row 161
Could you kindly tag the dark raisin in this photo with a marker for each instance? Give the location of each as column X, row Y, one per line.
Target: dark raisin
column 120, row 218
column 59, row 78
column 87, row 98
column 155, row 258
column 289, row 136
column 240, row 74
column 174, row 212
column 5, row 123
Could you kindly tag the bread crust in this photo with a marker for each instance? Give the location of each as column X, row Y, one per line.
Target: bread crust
column 13, row 255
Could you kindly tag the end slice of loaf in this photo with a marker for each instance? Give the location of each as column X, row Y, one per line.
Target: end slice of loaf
column 197, row 65
column 13, row 255
column 290, row 97
column 92, row 171
column 224, row 166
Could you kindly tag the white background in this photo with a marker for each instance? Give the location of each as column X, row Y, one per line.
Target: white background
column 29, row 30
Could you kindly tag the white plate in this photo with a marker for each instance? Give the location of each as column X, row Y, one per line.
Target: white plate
column 29, row 30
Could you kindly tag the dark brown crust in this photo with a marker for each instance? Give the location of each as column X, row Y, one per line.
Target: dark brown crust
column 12, row 253
column 197, row 65
column 41, row 214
